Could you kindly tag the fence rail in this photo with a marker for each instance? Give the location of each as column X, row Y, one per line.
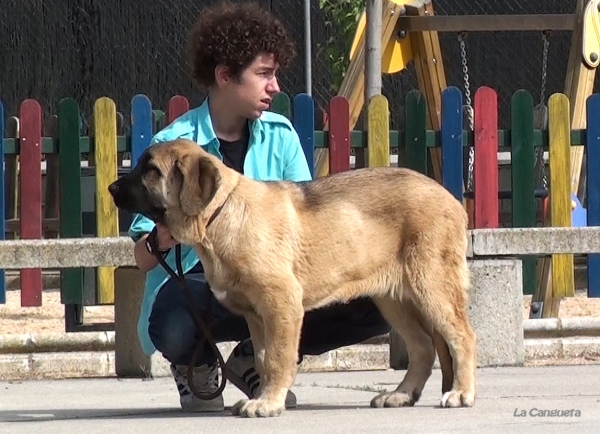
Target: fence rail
column 111, row 142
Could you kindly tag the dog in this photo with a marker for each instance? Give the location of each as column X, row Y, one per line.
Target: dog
column 272, row 250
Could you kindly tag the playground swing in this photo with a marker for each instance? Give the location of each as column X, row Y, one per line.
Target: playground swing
column 540, row 122
column 409, row 32
column 540, row 119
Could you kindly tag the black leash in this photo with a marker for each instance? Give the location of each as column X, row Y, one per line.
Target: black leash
column 198, row 316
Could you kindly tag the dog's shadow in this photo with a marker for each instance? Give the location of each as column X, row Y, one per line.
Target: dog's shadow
column 50, row 415
column 97, row 414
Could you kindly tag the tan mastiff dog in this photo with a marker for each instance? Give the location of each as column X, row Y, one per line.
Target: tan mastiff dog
column 273, row 250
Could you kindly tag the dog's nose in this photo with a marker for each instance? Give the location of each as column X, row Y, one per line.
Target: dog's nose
column 113, row 188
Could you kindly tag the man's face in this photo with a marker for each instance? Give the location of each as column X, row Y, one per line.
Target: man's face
column 253, row 92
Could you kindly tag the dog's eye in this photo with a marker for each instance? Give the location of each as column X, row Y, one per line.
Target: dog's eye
column 154, row 170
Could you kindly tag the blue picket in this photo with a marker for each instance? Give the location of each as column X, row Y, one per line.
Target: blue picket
column 451, row 141
column 141, row 126
column 2, row 199
column 593, row 187
column 304, row 123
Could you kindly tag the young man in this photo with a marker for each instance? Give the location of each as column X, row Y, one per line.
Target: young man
column 235, row 52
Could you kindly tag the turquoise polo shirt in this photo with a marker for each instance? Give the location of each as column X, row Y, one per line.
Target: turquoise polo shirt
column 274, row 154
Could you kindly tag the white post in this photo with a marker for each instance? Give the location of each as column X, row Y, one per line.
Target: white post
column 307, row 48
column 374, row 15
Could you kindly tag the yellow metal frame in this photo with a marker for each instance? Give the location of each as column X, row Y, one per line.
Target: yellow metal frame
column 396, row 54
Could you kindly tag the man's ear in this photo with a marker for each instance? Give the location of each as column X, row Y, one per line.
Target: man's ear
column 200, row 181
column 222, row 75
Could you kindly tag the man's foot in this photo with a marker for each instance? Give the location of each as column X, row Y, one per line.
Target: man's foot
column 240, row 367
column 206, row 380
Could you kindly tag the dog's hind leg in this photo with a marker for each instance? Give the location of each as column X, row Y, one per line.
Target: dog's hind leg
column 445, row 360
column 439, row 290
column 404, row 318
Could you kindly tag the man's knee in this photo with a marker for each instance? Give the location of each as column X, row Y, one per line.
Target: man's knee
column 173, row 334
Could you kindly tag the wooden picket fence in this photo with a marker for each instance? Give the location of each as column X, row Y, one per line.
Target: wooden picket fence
column 106, row 145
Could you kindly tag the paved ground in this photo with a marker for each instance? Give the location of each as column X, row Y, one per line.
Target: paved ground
column 328, row 403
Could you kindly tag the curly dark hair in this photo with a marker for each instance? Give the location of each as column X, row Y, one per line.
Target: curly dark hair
column 233, row 35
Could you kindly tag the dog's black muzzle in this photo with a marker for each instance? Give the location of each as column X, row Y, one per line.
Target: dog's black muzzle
column 130, row 194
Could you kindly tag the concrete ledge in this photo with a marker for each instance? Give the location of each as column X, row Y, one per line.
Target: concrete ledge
column 563, row 348
column 57, row 365
column 352, row 358
column 89, row 364
column 535, row 241
column 540, row 329
column 50, row 279
column 57, row 342
column 561, row 327
column 66, row 253
column 118, row 251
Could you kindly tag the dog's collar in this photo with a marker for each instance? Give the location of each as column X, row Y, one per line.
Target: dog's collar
column 216, row 213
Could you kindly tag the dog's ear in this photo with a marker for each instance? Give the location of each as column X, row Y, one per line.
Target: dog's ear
column 200, row 180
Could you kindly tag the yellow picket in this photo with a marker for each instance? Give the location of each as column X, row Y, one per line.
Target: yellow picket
column 559, row 136
column 105, row 153
column 378, row 132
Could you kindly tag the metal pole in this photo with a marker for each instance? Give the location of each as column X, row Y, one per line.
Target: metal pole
column 374, row 15
column 307, row 48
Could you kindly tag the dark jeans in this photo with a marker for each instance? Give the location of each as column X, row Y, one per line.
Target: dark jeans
column 174, row 332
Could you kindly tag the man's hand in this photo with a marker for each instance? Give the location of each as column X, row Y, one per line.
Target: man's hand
column 164, row 239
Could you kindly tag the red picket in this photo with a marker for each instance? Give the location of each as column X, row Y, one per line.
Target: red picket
column 30, row 183
column 485, row 176
column 178, row 105
column 339, row 135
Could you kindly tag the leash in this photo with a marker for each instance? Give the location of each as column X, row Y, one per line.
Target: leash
column 179, row 277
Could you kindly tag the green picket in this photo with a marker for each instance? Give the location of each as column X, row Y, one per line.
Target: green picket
column 158, row 120
column 281, row 105
column 71, row 279
column 415, row 115
column 523, row 176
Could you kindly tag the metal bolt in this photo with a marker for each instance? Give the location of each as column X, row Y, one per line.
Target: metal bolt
column 593, row 57
column 536, row 310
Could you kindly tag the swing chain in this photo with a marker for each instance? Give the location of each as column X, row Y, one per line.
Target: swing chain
column 539, row 149
column 468, row 105
column 465, row 69
column 546, row 43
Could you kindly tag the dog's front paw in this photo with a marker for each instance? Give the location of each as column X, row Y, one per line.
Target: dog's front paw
column 456, row 398
column 393, row 399
column 257, row 408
